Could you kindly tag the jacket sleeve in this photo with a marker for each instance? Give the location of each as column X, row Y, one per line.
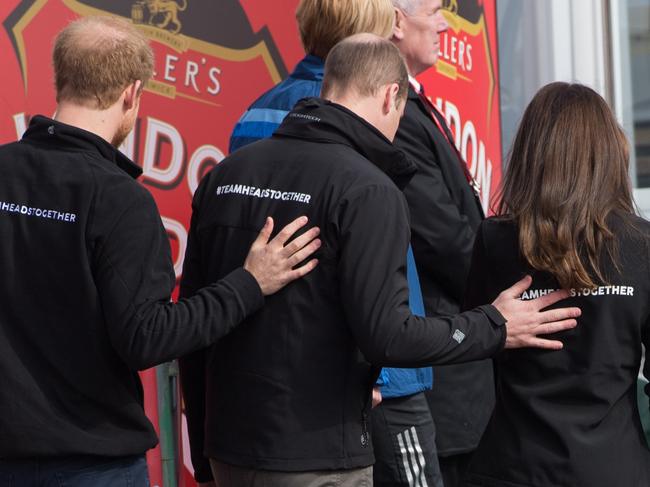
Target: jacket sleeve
column 373, row 226
column 134, row 278
column 442, row 237
column 192, row 366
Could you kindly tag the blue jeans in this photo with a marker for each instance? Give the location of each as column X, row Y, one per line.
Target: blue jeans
column 119, row 472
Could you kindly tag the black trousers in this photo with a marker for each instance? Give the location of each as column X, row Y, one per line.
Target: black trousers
column 403, row 435
column 453, row 468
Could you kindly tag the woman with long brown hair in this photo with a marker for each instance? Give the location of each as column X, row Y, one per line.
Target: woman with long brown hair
column 566, row 217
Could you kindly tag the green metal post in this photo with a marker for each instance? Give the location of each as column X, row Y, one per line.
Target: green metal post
column 166, row 375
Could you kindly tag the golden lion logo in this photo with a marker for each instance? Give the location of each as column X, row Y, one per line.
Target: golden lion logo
column 162, row 13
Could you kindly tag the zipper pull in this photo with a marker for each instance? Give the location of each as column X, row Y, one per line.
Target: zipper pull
column 365, row 437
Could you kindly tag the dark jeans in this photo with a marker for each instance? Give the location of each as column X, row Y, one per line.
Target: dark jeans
column 120, row 472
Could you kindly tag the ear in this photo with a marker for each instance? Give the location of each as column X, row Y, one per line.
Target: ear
column 389, row 95
column 398, row 26
column 132, row 95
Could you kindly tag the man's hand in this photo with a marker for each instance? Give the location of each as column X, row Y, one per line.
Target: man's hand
column 272, row 263
column 525, row 321
column 376, row 396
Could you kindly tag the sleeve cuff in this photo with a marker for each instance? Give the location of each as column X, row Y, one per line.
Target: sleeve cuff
column 498, row 320
column 247, row 288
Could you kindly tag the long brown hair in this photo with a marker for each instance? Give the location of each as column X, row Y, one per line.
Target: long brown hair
column 567, row 172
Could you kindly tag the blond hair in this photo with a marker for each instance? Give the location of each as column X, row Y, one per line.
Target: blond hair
column 323, row 23
column 96, row 58
column 364, row 63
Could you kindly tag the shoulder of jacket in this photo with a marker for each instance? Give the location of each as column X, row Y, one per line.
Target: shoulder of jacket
column 100, row 164
column 383, row 192
column 497, row 228
column 284, row 95
column 116, row 186
column 364, row 171
column 12, row 146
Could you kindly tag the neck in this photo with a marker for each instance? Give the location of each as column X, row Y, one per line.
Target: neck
column 103, row 123
column 365, row 107
column 415, row 69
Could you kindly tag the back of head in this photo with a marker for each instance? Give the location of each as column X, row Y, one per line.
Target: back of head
column 323, row 23
column 567, row 173
column 360, row 65
column 95, row 58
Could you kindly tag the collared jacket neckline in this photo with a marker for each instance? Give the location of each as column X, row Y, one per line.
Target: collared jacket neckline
column 324, row 121
column 310, row 68
column 48, row 131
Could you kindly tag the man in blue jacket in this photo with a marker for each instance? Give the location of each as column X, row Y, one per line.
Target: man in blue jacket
column 322, row 23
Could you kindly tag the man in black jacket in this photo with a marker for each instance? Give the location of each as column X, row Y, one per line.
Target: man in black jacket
column 445, row 213
column 287, row 405
column 87, row 276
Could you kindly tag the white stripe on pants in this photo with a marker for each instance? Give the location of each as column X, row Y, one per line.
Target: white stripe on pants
column 412, row 457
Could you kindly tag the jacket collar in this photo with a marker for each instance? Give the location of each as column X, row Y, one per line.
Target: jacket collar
column 413, row 95
column 310, row 68
column 321, row 120
column 51, row 132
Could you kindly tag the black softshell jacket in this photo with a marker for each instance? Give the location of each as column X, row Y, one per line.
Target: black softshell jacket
column 87, row 277
column 568, row 418
column 290, row 389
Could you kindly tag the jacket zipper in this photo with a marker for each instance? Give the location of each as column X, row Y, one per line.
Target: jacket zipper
column 365, row 437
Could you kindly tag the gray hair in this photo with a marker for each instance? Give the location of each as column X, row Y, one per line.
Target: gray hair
column 407, row 6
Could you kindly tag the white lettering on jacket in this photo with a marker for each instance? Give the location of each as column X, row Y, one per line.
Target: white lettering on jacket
column 267, row 193
column 611, row 290
column 9, row 207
